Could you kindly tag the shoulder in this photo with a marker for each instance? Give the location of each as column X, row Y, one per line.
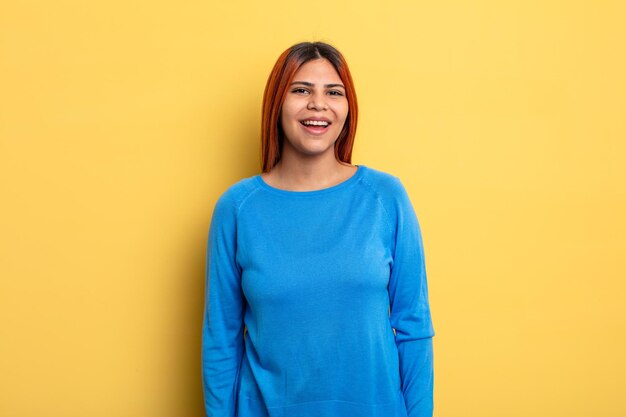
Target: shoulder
column 391, row 194
column 386, row 185
column 231, row 200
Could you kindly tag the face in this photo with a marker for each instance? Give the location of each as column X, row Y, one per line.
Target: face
column 315, row 110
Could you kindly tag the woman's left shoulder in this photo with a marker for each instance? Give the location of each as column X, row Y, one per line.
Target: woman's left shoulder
column 384, row 182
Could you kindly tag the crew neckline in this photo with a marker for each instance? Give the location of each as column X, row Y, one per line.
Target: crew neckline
column 353, row 178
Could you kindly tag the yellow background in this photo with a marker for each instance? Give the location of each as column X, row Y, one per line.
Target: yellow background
column 121, row 123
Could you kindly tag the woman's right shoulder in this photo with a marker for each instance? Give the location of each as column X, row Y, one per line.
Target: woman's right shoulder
column 234, row 196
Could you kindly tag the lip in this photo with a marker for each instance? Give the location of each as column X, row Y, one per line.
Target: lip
column 317, row 119
column 316, row 130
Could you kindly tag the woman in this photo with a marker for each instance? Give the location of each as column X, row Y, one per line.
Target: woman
column 321, row 262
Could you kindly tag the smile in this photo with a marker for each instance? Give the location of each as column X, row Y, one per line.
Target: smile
column 321, row 123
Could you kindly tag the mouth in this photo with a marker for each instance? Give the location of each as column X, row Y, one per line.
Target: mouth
column 315, row 126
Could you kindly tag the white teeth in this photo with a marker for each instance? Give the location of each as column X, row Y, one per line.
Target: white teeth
column 314, row 123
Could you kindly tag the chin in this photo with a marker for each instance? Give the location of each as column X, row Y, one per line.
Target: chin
column 315, row 150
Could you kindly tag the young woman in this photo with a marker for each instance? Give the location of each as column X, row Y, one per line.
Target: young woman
column 317, row 300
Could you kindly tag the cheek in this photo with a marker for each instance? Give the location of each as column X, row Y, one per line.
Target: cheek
column 287, row 125
column 287, row 114
column 342, row 113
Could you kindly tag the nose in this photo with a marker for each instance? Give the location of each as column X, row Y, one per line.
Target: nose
column 317, row 102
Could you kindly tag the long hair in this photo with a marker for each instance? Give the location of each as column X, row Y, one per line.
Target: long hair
column 280, row 78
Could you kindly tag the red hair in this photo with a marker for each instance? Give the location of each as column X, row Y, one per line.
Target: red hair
column 282, row 74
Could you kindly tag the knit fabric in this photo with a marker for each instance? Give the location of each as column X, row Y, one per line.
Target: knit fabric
column 304, row 290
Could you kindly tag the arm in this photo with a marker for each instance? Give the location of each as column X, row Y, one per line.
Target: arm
column 410, row 310
column 222, row 331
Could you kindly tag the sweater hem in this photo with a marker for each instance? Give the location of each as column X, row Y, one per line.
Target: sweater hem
column 249, row 407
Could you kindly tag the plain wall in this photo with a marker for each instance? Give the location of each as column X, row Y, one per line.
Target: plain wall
column 122, row 122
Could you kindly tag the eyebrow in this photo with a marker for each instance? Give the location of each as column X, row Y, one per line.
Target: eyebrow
column 308, row 84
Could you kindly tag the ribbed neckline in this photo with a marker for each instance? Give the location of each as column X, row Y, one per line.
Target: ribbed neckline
column 343, row 184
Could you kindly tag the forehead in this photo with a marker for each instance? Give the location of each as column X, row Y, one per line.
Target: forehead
column 317, row 69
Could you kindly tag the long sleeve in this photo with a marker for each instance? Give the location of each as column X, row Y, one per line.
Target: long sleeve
column 410, row 310
column 222, row 332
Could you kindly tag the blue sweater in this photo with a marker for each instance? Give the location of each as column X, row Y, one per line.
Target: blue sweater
column 317, row 302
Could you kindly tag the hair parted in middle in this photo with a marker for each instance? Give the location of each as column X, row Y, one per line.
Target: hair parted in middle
column 272, row 135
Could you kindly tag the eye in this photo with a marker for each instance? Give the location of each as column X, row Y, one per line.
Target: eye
column 300, row 90
column 335, row 93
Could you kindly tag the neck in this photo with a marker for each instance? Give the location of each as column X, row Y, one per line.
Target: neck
column 309, row 173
